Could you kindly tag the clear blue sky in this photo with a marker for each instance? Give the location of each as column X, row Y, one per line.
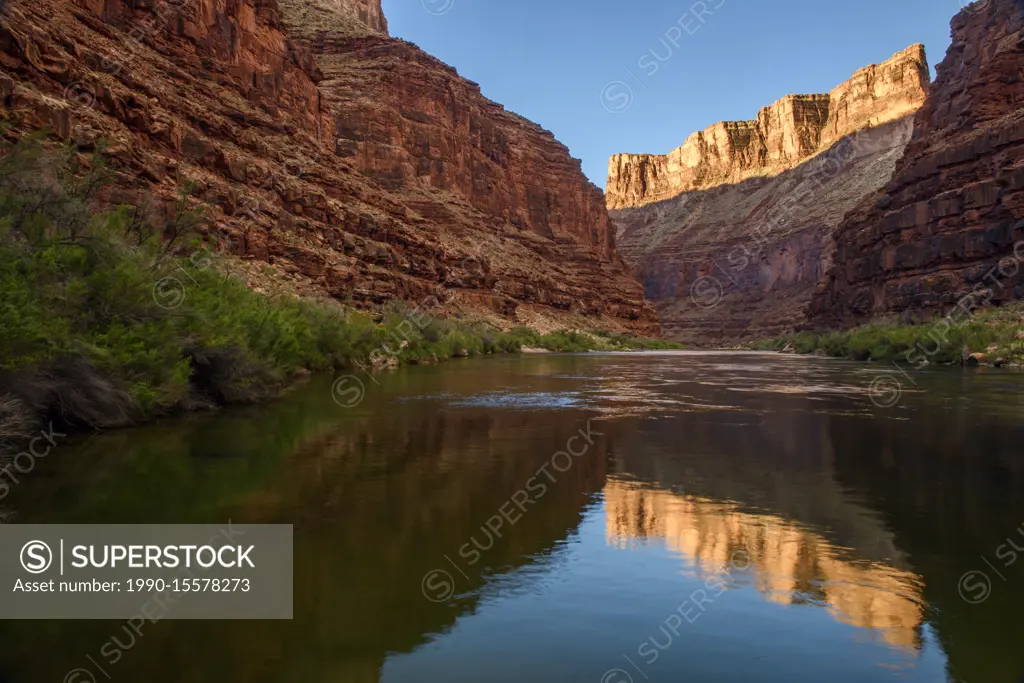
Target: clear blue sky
column 565, row 63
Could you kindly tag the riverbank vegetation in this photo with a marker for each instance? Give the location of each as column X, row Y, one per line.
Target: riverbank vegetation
column 111, row 317
column 994, row 336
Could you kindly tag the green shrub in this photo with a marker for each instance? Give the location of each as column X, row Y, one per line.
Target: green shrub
column 113, row 316
column 81, row 288
column 937, row 342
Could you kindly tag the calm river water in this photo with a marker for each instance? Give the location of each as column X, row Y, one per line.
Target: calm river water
column 598, row 518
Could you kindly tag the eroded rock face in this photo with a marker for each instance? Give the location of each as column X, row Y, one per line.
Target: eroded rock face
column 740, row 251
column 417, row 124
column 349, row 17
column 390, row 178
column 955, row 206
column 741, row 261
column 784, row 135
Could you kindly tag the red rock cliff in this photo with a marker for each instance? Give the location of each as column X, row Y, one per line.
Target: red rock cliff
column 955, row 204
column 416, row 124
column 741, row 257
column 391, row 178
column 784, row 134
column 741, row 261
column 348, row 17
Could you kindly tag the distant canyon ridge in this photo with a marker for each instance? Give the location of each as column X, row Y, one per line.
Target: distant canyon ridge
column 888, row 195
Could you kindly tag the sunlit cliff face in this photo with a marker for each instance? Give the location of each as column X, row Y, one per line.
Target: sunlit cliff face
column 789, row 565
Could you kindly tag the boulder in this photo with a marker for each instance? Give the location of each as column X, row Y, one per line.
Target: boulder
column 976, row 359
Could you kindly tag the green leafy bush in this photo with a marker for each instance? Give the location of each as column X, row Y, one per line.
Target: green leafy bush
column 996, row 331
column 114, row 316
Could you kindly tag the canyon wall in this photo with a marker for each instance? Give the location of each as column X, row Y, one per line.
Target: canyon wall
column 331, row 159
column 740, row 257
column 417, row 124
column 785, row 134
column 349, row 17
column 954, row 208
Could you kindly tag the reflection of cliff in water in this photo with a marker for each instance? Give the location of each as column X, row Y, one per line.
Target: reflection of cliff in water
column 378, row 499
column 765, row 484
column 831, row 499
column 790, row 563
column 447, row 475
column 952, row 495
column 780, row 463
column 923, row 492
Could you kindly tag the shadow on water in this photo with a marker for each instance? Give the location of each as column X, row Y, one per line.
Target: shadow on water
column 861, row 516
column 378, row 498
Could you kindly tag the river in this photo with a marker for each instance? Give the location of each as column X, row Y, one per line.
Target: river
column 593, row 518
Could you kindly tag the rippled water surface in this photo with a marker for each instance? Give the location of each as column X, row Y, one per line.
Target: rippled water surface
column 600, row 518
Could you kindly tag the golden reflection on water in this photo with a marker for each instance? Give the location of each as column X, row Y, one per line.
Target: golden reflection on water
column 789, row 564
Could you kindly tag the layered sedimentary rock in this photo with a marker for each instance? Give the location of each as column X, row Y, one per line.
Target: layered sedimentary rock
column 741, row 259
column 954, row 208
column 785, row 134
column 416, row 123
column 391, row 179
column 348, row 17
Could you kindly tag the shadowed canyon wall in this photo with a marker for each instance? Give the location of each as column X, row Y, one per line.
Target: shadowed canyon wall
column 730, row 233
column 955, row 206
column 738, row 235
column 361, row 548
column 331, row 158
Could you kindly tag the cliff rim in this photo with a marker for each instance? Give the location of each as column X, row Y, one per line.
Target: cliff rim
column 785, row 134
